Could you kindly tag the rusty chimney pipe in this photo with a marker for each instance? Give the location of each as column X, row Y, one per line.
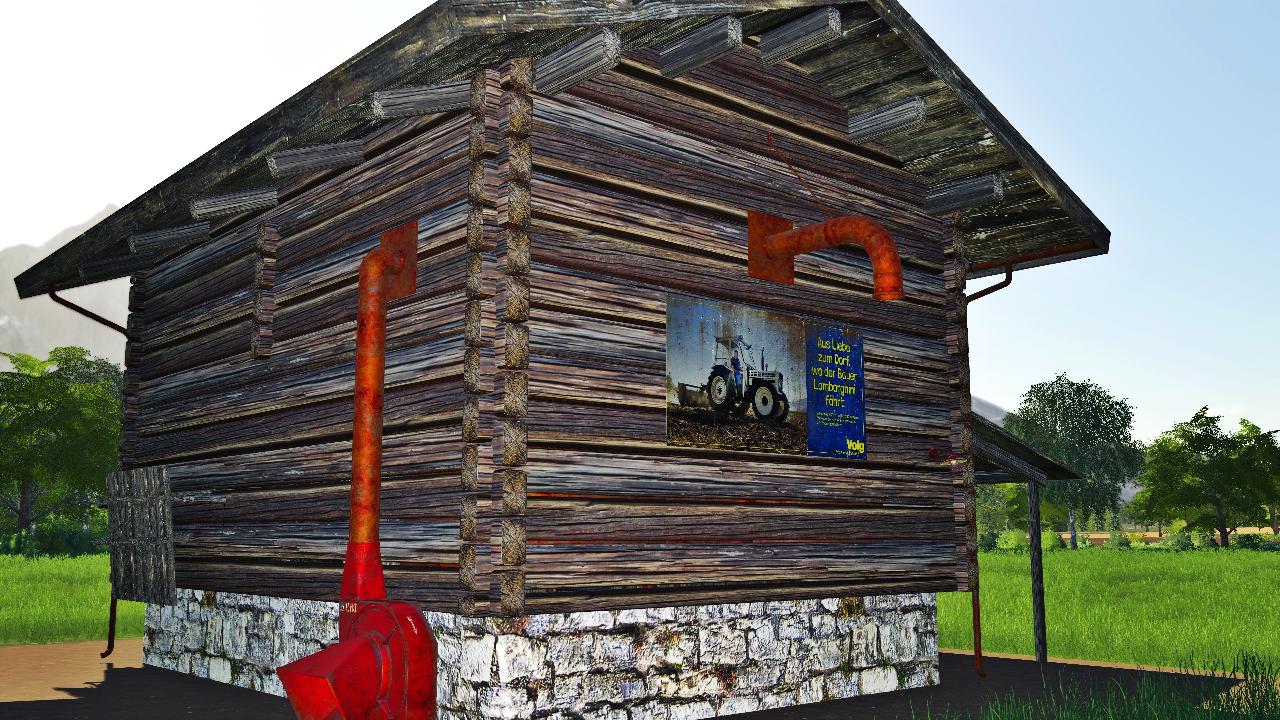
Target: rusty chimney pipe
column 384, row 663
column 773, row 244
column 387, row 273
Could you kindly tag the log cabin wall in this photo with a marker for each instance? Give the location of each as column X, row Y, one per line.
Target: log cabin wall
column 244, row 361
column 640, row 187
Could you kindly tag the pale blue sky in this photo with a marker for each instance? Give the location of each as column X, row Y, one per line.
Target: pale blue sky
column 1161, row 115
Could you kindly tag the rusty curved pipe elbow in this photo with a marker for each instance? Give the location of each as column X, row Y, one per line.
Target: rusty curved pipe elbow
column 388, row 272
column 773, row 244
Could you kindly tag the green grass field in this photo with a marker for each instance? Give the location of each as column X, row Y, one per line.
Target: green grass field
column 46, row 600
column 1155, row 608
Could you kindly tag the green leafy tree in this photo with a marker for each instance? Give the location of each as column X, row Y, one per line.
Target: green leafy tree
column 1260, row 467
column 1085, row 427
column 59, row 431
column 1204, row 474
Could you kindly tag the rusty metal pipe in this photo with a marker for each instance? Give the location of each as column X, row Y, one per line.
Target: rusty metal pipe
column 1006, row 282
column 384, row 663
column 773, row 244
column 53, row 295
column 387, row 273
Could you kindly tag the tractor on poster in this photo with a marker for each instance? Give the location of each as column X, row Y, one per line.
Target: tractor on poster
column 735, row 385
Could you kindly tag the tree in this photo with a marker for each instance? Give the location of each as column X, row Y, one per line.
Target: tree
column 1260, row 466
column 59, row 431
column 1083, row 426
column 1204, row 474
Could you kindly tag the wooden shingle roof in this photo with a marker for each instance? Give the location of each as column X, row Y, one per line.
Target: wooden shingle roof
column 880, row 55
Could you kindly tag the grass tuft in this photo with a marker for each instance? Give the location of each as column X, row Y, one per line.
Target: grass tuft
column 46, row 600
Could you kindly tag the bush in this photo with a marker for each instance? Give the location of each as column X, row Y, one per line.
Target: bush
column 1201, row 540
column 1117, row 541
column 1249, row 542
column 52, row 542
column 1014, row 541
column 1050, row 541
column 1177, row 541
column 987, row 540
column 1137, row 538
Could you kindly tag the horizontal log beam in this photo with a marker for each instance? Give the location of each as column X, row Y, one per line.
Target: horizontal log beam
column 421, row 100
column 704, row 45
column 316, row 157
column 234, row 203
column 169, row 238
column 805, row 33
column 942, row 199
column 580, row 60
column 886, row 120
column 112, row 268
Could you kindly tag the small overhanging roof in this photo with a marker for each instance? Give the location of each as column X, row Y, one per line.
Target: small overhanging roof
column 879, row 56
column 1001, row 457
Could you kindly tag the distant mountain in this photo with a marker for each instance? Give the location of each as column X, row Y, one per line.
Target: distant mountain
column 37, row 325
column 989, row 410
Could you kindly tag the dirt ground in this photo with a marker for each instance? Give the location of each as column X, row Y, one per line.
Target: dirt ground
column 68, row 681
column 703, row 428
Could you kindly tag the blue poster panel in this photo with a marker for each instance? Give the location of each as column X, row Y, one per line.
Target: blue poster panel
column 746, row 378
column 837, row 420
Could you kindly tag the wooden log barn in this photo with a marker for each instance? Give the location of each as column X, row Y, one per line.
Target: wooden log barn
column 647, row 452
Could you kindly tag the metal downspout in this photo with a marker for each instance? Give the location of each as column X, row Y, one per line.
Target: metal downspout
column 53, row 295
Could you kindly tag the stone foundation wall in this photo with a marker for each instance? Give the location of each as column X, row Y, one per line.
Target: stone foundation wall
column 655, row 664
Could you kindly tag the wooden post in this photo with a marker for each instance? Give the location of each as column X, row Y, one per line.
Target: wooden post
column 1037, row 571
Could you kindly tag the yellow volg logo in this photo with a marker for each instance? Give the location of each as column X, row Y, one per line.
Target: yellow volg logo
column 857, row 447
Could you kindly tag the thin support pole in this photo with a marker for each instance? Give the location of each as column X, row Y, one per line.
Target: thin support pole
column 1037, row 572
column 111, row 629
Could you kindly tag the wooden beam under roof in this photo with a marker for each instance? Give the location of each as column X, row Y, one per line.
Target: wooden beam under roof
column 234, row 203
column 169, row 238
column 953, row 196
column 421, row 99
column 704, row 45
column 805, row 33
column 887, row 119
column 582, row 59
column 115, row 267
column 333, row 156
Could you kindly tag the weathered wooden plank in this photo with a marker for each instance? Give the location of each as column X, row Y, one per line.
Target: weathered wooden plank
column 419, row 543
column 170, row 238
column 421, row 99
column 405, row 407
column 567, row 567
column 801, row 35
column 886, row 120
column 423, row 318
column 962, row 194
column 404, row 364
column 548, row 600
column 314, row 158
column 579, row 60
column 406, row 456
column 639, row 92
column 708, row 43
column 550, row 520
column 115, row 267
column 432, row 588
column 431, row 497
column 234, row 203
column 673, row 473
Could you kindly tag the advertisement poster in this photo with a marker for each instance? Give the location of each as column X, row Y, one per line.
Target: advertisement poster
column 743, row 378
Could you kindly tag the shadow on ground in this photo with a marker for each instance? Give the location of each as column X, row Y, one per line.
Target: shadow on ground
column 149, row 693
